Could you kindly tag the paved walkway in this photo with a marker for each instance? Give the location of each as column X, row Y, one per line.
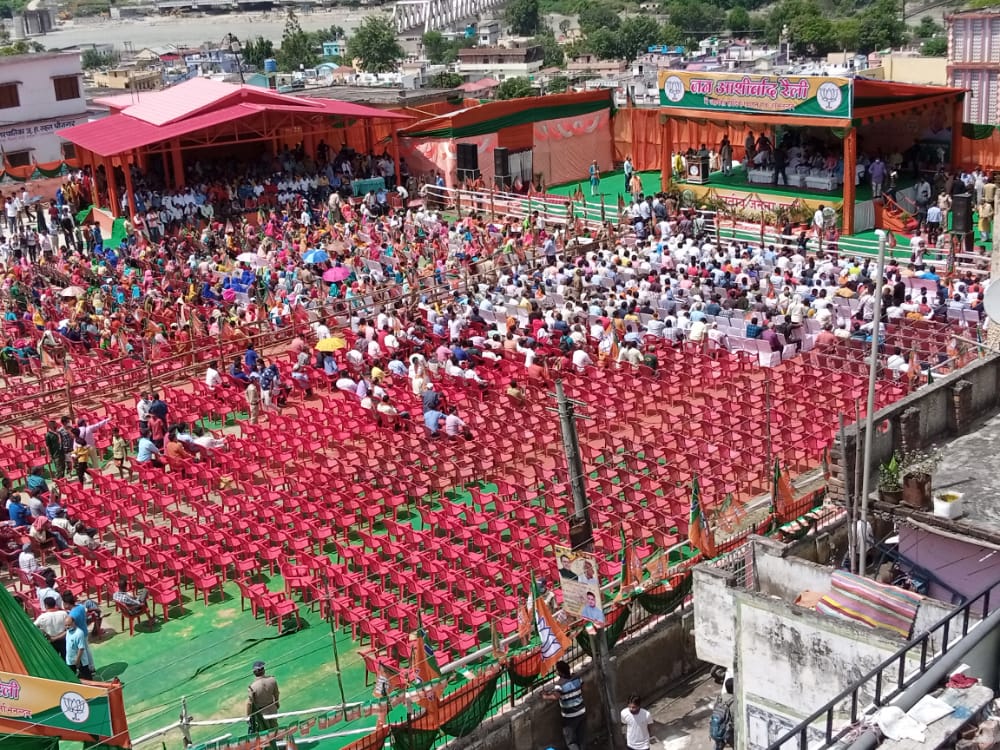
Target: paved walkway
column 682, row 715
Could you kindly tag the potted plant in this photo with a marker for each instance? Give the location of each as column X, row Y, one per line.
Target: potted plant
column 917, row 469
column 890, row 486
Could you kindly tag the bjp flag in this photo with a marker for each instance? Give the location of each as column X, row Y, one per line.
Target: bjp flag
column 699, row 535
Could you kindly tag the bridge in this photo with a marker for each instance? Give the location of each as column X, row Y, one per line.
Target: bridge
column 437, row 15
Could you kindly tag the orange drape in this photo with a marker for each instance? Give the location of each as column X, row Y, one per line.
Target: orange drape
column 984, row 153
column 638, row 133
column 518, row 137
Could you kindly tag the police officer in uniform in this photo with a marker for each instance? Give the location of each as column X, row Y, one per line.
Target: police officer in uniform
column 262, row 699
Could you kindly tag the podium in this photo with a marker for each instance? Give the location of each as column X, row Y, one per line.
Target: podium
column 698, row 170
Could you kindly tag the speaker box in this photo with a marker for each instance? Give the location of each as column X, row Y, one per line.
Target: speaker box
column 468, row 157
column 503, row 181
column 501, row 162
column 961, row 216
column 467, row 175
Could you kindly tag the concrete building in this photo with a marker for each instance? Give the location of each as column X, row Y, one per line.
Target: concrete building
column 40, row 94
column 909, row 68
column 974, row 62
column 594, row 66
column 500, row 63
column 489, row 33
column 128, row 79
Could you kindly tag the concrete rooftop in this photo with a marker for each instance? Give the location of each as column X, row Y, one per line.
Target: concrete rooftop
column 971, row 465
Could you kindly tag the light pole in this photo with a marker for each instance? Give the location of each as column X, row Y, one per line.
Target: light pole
column 236, row 48
column 862, row 531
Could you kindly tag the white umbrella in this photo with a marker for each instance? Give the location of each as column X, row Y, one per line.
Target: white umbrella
column 252, row 258
column 73, row 291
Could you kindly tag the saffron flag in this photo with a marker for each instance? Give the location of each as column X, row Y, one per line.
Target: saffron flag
column 699, row 535
column 554, row 639
column 631, row 572
column 524, row 622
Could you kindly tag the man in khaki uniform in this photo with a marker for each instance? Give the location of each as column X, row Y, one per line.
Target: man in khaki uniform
column 262, row 699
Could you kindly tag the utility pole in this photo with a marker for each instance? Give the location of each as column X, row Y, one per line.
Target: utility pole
column 580, row 532
column 581, row 538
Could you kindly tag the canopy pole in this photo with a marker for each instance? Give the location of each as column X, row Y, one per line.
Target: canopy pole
column 850, row 175
column 395, row 153
column 129, row 191
column 178, row 163
column 666, row 153
column 109, row 174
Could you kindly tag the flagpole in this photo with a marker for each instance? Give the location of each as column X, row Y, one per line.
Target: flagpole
column 870, row 413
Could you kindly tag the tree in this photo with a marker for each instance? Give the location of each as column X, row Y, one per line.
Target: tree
column 557, row 85
column 523, row 17
column 604, row 44
column 553, row 53
column 256, row 51
column 515, row 88
column 594, row 17
column 296, row 47
column 738, row 21
column 845, row 33
column 880, row 26
column 446, row 80
column 564, row 26
column 437, row 49
column 696, row 18
column 375, row 45
column 670, row 34
column 811, row 35
column 635, row 35
column 927, row 28
column 94, row 59
column 936, row 47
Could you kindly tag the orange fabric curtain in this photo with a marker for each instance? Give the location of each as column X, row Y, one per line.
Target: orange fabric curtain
column 983, row 153
column 518, row 137
column 638, row 132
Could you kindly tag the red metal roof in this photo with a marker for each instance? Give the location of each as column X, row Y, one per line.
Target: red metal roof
column 125, row 131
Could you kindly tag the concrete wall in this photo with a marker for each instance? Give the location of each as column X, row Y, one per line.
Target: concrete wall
column 714, row 614
column 790, row 661
column 780, row 574
column 646, row 664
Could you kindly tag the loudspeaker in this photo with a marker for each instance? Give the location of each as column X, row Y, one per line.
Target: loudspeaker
column 467, row 175
column 961, row 217
column 468, row 157
column 501, row 162
column 503, row 181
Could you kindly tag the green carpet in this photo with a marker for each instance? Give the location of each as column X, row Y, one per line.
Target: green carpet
column 204, row 655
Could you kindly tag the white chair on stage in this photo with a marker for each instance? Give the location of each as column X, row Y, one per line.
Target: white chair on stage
column 818, row 179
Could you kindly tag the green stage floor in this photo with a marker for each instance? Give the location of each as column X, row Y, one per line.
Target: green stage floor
column 613, row 186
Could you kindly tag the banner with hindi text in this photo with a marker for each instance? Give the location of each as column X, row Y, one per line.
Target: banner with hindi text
column 805, row 96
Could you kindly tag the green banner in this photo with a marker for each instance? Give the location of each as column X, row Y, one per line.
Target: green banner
column 797, row 96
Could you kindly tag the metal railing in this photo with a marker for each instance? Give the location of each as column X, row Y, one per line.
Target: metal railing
column 889, row 679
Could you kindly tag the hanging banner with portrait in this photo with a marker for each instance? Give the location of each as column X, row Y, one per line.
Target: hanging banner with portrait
column 581, row 588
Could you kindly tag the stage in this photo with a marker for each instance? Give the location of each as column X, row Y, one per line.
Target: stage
column 737, row 192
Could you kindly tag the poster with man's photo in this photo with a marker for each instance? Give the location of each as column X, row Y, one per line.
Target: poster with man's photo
column 581, row 588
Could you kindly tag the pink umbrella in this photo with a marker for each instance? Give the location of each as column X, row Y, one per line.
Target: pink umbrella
column 228, row 295
column 337, row 273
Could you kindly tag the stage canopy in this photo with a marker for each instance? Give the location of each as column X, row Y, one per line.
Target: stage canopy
column 556, row 136
column 690, row 99
column 202, row 113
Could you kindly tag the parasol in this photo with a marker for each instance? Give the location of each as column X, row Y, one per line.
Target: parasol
column 73, row 291
column 331, row 344
column 315, row 256
column 337, row 273
column 252, row 258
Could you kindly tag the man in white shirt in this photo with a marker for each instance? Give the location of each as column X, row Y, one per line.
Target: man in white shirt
column 454, row 425
column 212, row 378
column 636, row 720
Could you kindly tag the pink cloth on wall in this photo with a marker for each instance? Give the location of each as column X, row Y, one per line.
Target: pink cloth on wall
column 564, row 148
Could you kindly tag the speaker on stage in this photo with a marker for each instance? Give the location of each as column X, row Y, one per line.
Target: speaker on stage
column 501, row 162
column 961, row 216
column 503, row 182
column 468, row 157
column 698, row 170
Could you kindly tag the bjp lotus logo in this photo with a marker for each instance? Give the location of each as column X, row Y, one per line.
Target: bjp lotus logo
column 673, row 89
column 74, row 707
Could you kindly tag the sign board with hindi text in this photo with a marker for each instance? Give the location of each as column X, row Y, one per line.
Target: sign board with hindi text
column 581, row 588
column 795, row 96
column 50, row 703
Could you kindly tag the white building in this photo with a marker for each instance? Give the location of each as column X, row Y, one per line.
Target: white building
column 40, row 94
column 500, row 63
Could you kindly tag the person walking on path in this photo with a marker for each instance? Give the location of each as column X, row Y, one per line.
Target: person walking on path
column 262, row 700
column 53, row 444
column 595, row 177
column 636, row 720
column 568, row 690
